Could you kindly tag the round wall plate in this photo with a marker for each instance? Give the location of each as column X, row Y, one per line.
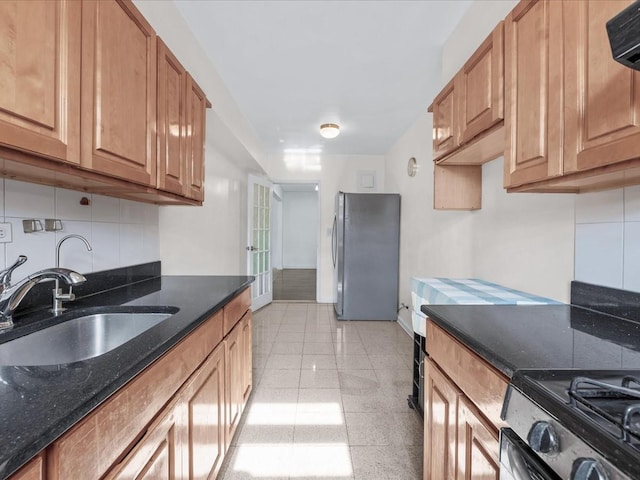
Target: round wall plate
column 412, row 167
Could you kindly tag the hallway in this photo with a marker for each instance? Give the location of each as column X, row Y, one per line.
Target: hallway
column 294, row 284
column 329, row 400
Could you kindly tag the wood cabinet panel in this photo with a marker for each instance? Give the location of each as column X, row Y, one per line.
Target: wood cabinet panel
column 195, row 137
column 158, row 455
column 440, row 425
column 204, row 402
column 40, row 77
column 445, row 135
column 480, row 87
column 118, row 91
column 484, row 385
column 533, row 91
column 96, row 442
column 602, row 97
column 234, row 391
column 235, row 309
column 478, row 446
column 172, row 98
column 34, row 470
column 247, row 360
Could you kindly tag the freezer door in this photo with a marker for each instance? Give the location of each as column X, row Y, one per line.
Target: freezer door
column 370, row 251
column 338, row 269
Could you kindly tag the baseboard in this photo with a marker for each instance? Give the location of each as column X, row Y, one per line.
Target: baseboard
column 405, row 326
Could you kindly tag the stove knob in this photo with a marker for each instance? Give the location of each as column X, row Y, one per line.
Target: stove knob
column 588, row 469
column 543, row 438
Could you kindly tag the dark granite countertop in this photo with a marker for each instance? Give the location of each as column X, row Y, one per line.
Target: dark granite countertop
column 38, row 404
column 541, row 337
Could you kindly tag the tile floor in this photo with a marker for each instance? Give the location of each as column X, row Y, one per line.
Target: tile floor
column 329, row 400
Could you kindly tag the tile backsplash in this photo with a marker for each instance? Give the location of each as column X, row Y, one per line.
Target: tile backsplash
column 607, row 249
column 121, row 232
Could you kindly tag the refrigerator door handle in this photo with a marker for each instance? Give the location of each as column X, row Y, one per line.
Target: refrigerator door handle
column 334, row 240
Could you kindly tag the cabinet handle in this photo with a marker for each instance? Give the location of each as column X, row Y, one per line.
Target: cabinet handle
column 421, row 368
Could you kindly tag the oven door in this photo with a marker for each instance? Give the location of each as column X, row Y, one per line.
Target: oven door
column 519, row 462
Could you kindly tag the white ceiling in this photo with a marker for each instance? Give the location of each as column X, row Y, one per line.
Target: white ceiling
column 370, row 66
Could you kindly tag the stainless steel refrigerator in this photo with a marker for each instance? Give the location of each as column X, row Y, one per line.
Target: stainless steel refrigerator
column 366, row 253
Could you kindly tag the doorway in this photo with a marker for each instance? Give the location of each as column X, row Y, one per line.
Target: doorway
column 294, row 239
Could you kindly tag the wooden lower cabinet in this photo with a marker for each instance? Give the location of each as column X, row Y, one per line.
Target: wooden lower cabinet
column 458, row 442
column 234, row 391
column 175, row 420
column 440, row 425
column 158, row 456
column 247, row 344
column 204, row 419
column 478, row 445
column 34, row 470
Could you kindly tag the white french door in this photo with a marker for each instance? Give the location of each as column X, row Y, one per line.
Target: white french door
column 259, row 239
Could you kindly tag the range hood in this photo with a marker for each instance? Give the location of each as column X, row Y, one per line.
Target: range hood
column 624, row 36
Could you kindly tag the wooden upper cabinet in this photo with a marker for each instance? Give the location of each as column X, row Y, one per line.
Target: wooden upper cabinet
column 195, row 137
column 172, row 99
column 118, row 91
column 602, row 97
column 533, row 90
column 445, row 134
column 40, row 77
column 480, row 87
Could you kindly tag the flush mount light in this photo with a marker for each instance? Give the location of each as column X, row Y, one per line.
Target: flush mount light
column 329, row 130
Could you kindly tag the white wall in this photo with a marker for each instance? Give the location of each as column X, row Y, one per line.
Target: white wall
column 209, row 240
column 523, row 241
column 121, row 232
column 332, row 173
column 299, row 229
column 276, row 228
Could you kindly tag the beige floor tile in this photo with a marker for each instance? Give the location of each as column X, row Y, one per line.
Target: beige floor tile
column 350, row 348
column 318, row 337
column 318, row 349
column 265, row 434
column 278, row 361
column 320, row 400
column 293, row 327
column 263, row 461
column 356, row 380
column 280, row 379
column 287, row 348
column 392, row 361
column 312, row 461
column 377, row 428
column 319, row 379
column 319, row 362
column 385, row 463
column 289, row 337
column 323, row 434
column 353, row 362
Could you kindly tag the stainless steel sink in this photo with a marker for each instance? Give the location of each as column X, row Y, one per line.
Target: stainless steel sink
column 78, row 339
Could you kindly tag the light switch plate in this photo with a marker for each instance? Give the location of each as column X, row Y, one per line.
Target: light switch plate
column 5, row 233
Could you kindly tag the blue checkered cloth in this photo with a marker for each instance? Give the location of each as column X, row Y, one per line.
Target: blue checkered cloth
column 464, row 291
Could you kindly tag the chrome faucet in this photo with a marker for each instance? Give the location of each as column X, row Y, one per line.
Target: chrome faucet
column 58, row 296
column 12, row 295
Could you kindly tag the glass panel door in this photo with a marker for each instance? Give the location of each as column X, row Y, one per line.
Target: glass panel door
column 258, row 249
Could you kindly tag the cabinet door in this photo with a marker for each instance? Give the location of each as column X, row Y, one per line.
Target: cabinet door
column 247, row 346
column 204, row 403
column 234, row 391
column 172, row 98
column 118, row 91
column 195, row 137
column 445, row 136
column 602, row 97
column 478, row 446
column 34, row 470
column 157, row 456
column 480, row 87
column 533, row 91
column 440, row 425
column 40, row 77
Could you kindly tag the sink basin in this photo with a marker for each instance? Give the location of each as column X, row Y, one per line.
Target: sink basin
column 80, row 338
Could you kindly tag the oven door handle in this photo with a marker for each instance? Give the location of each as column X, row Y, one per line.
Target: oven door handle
column 519, row 469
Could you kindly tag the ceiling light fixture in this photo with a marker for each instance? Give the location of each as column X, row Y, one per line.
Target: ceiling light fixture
column 329, row 130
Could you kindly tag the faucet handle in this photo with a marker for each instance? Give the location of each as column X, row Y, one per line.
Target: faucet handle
column 5, row 275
